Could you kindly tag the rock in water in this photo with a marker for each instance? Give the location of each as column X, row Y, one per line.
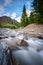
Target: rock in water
column 22, row 42
column 40, row 37
column 8, row 58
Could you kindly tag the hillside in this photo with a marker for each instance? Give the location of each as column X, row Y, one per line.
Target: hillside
column 37, row 28
column 32, row 29
column 7, row 21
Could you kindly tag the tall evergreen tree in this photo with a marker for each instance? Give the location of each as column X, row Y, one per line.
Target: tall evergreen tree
column 38, row 7
column 31, row 18
column 24, row 18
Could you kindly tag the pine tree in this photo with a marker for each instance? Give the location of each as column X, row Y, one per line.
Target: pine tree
column 24, row 18
column 38, row 7
column 31, row 18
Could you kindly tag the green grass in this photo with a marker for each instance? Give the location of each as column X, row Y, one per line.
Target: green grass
column 8, row 26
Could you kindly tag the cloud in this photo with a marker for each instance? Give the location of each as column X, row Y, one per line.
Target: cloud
column 18, row 18
column 13, row 15
column 28, row 12
column 1, row 9
column 28, row 4
column 6, row 2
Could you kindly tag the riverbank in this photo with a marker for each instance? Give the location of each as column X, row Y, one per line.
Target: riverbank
column 32, row 30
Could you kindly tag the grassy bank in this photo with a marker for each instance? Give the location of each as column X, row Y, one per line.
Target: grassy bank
column 11, row 26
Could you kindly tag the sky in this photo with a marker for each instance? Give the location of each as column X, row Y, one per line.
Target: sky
column 13, row 8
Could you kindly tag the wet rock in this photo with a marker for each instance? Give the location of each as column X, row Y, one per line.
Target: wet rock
column 2, row 37
column 8, row 58
column 11, row 58
column 12, row 36
column 40, row 37
column 22, row 42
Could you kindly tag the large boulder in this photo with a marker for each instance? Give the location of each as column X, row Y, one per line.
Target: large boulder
column 21, row 42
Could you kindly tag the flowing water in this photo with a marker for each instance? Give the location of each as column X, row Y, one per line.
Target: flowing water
column 30, row 55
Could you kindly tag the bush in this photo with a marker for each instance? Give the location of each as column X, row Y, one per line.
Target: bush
column 8, row 26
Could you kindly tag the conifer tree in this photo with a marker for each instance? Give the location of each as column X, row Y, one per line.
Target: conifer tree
column 24, row 18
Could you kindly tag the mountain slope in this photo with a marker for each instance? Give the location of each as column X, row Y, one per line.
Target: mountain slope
column 6, row 21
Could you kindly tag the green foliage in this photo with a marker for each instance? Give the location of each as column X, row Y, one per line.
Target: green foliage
column 8, row 26
column 31, row 18
column 38, row 7
column 34, row 18
column 24, row 18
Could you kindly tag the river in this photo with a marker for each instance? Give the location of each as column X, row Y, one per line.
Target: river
column 30, row 55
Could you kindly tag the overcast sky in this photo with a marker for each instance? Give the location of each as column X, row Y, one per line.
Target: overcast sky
column 13, row 8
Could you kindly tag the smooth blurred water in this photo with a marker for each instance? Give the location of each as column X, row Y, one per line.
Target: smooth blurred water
column 30, row 55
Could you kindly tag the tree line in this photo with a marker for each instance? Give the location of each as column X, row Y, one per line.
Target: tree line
column 36, row 15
